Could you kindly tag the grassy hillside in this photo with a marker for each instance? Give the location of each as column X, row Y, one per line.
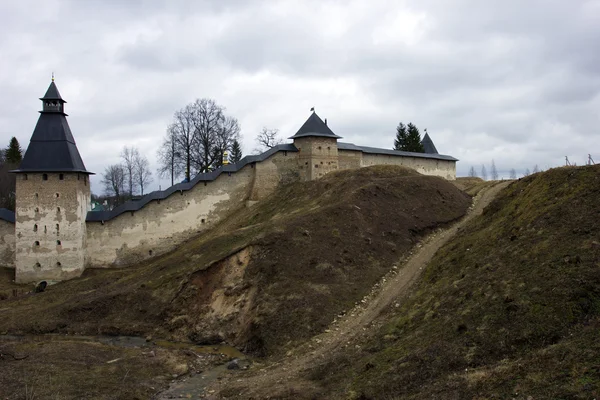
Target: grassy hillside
column 508, row 309
column 267, row 277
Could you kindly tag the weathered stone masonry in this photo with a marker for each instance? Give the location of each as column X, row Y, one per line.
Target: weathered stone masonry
column 50, row 225
column 54, row 236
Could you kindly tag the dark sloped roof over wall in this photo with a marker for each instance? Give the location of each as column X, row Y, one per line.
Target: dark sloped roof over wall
column 374, row 150
column 7, row 215
column 314, row 126
column 135, row 205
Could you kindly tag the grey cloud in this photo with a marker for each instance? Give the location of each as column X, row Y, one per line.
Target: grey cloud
column 510, row 80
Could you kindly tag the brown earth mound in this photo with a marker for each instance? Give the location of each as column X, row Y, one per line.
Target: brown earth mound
column 331, row 240
column 267, row 277
column 508, row 309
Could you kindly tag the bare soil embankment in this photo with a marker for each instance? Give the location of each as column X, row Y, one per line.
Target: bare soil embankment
column 299, row 375
column 265, row 280
column 510, row 308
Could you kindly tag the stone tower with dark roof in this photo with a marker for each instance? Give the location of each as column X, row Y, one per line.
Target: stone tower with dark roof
column 317, row 147
column 428, row 145
column 52, row 199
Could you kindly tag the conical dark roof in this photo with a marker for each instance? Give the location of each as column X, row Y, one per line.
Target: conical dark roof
column 314, row 126
column 428, row 144
column 52, row 147
column 52, row 93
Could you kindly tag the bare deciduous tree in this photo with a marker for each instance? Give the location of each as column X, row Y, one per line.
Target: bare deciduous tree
column 197, row 138
column 168, row 159
column 128, row 155
column 227, row 134
column 484, row 175
column 536, row 169
column 208, row 117
column 513, row 174
column 267, row 139
column 493, row 171
column 142, row 173
column 181, row 131
column 472, row 172
column 527, row 172
column 113, row 180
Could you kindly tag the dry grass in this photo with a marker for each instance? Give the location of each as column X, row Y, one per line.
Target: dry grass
column 509, row 309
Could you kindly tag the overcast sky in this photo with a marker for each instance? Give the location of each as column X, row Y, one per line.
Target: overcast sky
column 515, row 81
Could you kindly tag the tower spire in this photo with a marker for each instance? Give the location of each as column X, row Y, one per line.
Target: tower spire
column 52, row 146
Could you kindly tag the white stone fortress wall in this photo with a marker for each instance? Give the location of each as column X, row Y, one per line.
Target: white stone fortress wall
column 161, row 225
column 50, row 225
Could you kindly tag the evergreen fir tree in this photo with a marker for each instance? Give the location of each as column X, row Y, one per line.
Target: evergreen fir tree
column 413, row 140
column 13, row 154
column 236, row 152
column 401, row 134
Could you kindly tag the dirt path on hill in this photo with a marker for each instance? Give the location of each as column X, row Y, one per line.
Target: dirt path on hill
column 277, row 378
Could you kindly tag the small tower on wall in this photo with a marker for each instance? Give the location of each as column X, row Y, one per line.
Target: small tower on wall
column 317, row 147
column 52, row 199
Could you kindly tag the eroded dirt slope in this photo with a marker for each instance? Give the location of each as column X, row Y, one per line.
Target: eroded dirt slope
column 268, row 277
column 508, row 309
column 326, row 245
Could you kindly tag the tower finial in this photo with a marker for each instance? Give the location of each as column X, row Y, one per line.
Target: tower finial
column 52, row 76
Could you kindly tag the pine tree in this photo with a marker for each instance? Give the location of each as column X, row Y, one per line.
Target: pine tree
column 14, row 154
column 413, row 140
column 408, row 138
column 401, row 135
column 236, row 152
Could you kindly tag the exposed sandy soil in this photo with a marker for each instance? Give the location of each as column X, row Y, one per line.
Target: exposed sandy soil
column 308, row 252
column 287, row 377
column 265, row 280
column 324, row 245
